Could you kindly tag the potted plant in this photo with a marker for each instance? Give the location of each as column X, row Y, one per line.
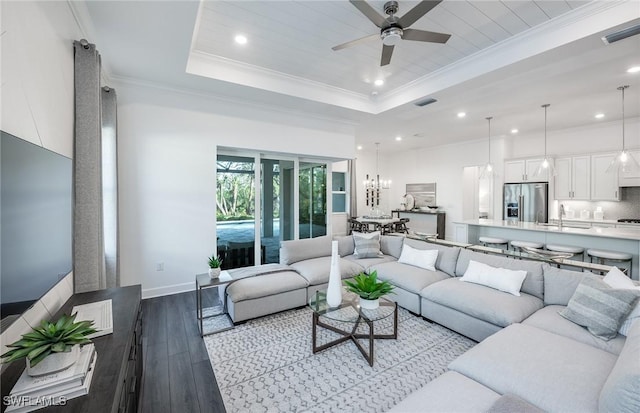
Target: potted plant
column 52, row 347
column 214, row 266
column 369, row 289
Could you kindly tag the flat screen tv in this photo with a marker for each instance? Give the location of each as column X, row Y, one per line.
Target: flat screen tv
column 36, row 207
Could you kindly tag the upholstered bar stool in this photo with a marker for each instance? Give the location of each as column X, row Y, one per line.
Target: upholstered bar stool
column 571, row 249
column 493, row 242
column 517, row 245
column 604, row 255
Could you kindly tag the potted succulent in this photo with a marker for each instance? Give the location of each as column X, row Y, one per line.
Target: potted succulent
column 369, row 289
column 51, row 347
column 214, row 266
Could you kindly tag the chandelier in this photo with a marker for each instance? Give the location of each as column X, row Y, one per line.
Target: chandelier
column 374, row 185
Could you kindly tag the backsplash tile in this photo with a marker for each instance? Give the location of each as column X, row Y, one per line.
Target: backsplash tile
column 627, row 207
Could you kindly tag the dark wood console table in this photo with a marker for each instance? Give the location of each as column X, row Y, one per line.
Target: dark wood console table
column 117, row 380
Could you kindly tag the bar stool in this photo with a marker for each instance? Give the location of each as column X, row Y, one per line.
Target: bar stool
column 571, row 249
column 492, row 241
column 518, row 245
column 401, row 226
column 605, row 255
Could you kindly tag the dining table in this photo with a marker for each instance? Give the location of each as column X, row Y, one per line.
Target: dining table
column 383, row 224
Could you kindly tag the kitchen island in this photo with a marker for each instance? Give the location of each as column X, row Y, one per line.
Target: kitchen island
column 625, row 239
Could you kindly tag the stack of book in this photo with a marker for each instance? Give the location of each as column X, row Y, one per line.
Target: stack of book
column 32, row 393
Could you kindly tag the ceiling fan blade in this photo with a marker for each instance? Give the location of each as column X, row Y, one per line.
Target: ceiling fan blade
column 356, row 42
column 424, row 36
column 414, row 14
column 369, row 12
column 387, row 51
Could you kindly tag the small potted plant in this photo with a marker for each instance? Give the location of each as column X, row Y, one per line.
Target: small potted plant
column 369, row 289
column 52, row 347
column 214, row 266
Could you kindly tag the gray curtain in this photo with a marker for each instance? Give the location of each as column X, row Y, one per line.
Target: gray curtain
column 110, row 187
column 353, row 196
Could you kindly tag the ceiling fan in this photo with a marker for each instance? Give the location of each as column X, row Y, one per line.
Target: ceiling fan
column 393, row 29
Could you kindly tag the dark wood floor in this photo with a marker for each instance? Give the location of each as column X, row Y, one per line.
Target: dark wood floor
column 178, row 376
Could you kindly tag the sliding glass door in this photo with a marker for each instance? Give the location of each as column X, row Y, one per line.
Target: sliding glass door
column 313, row 199
column 276, row 206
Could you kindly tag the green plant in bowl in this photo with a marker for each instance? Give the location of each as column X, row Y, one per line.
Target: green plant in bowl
column 50, row 338
column 368, row 287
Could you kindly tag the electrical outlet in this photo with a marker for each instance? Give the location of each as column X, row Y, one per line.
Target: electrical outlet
column 160, row 266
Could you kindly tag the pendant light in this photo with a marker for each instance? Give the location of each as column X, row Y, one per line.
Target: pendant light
column 624, row 161
column 488, row 171
column 546, row 167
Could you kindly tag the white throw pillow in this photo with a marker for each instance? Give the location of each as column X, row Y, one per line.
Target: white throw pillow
column 509, row 281
column 617, row 279
column 367, row 245
column 419, row 258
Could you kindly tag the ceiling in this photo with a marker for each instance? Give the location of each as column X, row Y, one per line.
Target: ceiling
column 504, row 59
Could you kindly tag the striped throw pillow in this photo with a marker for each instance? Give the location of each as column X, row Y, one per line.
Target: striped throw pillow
column 367, row 246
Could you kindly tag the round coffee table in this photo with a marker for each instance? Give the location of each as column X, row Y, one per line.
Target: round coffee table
column 349, row 311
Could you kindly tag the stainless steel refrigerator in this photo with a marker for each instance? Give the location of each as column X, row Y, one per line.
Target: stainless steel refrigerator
column 526, row 202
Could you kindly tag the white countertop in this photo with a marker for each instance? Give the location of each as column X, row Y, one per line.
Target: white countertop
column 620, row 233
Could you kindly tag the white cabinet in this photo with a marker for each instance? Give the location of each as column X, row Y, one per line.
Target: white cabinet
column 523, row 170
column 604, row 185
column 572, row 180
column 630, row 178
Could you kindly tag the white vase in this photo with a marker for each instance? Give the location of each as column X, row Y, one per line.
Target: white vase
column 214, row 272
column 54, row 362
column 369, row 304
column 334, row 289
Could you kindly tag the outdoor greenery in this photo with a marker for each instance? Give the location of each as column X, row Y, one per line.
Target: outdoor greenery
column 50, row 338
column 368, row 287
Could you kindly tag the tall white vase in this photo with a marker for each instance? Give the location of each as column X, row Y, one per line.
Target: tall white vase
column 334, row 289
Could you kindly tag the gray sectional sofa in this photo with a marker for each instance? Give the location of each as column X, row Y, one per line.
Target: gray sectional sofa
column 529, row 358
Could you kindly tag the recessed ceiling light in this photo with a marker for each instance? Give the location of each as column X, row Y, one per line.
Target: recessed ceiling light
column 514, row 131
column 379, row 82
column 599, row 115
column 241, row 39
column 461, row 114
column 398, row 138
column 359, row 147
column 634, row 69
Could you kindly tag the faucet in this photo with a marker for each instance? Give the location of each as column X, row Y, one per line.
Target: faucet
column 561, row 214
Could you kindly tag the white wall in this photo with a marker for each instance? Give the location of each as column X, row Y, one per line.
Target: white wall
column 167, row 143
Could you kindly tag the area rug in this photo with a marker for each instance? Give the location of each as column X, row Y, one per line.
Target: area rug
column 266, row 365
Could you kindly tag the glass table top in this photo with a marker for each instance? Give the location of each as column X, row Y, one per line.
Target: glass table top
column 349, row 311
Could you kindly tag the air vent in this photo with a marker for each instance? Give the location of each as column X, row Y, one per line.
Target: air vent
column 425, row 102
column 622, row 34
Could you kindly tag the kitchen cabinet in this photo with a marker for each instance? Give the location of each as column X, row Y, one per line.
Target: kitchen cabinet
column 523, row 170
column 573, row 178
column 604, row 185
column 630, row 178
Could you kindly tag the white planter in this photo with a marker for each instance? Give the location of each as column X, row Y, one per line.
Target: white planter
column 54, row 362
column 369, row 304
column 214, row 272
column 334, row 288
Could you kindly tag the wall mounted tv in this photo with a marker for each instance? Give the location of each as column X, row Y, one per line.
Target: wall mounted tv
column 36, row 201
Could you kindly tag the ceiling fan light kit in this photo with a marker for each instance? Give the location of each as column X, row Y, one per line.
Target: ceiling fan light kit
column 394, row 29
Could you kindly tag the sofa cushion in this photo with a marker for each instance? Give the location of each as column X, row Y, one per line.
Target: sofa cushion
column 533, row 284
column 391, row 245
column 481, row 302
column 367, row 263
column 560, row 284
column 621, row 391
column 599, row 308
column 617, row 279
column 509, row 281
column 407, row 277
column 304, row 249
column 367, row 245
column 510, row 403
column 316, row 270
column 447, row 256
column 449, row 393
column 555, row 373
column 265, row 285
column 346, row 245
column 419, row 258
column 548, row 319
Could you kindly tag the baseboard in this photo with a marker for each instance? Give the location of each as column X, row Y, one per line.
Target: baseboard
column 168, row 290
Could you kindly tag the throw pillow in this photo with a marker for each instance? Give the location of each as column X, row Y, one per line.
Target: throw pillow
column 617, row 279
column 599, row 308
column 502, row 279
column 367, row 245
column 419, row 258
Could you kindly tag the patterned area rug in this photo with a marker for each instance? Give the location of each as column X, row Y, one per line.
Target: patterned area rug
column 266, row 365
